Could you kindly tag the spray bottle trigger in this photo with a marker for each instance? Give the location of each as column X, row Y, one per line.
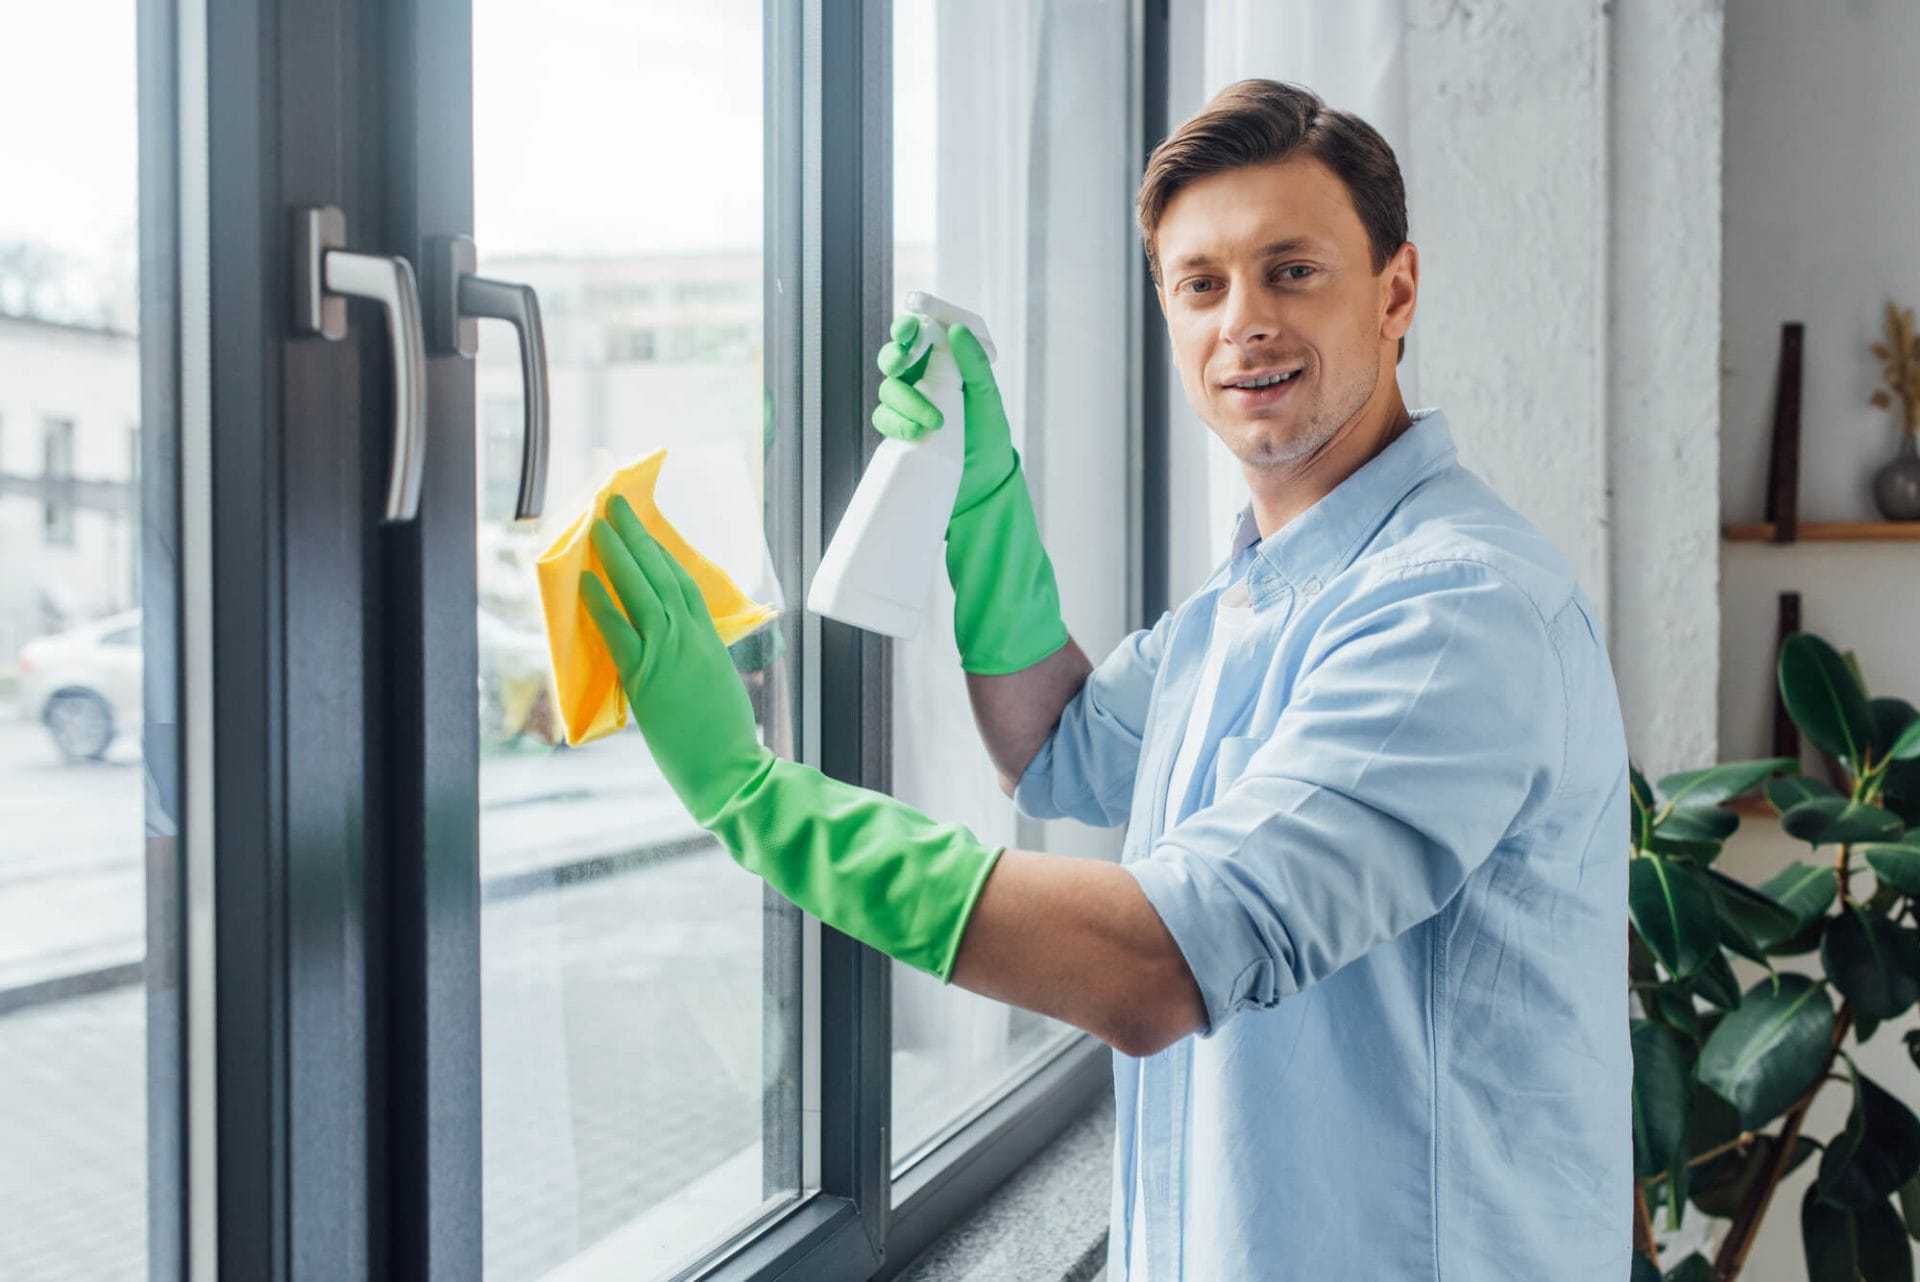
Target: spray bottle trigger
column 932, row 308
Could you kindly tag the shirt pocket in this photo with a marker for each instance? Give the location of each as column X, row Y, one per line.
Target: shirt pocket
column 1231, row 757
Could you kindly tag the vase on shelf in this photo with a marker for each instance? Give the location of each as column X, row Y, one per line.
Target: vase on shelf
column 1896, row 487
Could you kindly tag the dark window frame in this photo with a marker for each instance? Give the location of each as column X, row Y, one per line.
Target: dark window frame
column 345, row 961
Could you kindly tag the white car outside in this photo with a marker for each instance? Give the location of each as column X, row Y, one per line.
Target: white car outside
column 84, row 684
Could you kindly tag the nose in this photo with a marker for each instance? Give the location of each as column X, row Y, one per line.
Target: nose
column 1249, row 318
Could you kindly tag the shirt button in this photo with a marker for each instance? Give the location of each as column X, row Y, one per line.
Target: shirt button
column 1311, row 587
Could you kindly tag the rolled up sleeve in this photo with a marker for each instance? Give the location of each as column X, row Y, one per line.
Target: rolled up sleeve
column 1085, row 769
column 1426, row 722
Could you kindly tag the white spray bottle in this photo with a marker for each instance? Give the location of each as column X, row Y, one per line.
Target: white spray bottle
column 878, row 572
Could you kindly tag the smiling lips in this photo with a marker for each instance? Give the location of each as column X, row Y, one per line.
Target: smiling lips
column 1254, row 390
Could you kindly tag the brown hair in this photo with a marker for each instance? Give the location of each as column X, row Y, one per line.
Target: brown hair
column 1260, row 122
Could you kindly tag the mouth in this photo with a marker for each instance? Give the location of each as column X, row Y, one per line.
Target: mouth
column 1262, row 388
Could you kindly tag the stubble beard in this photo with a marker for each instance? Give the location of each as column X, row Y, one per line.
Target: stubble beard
column 1266, row 453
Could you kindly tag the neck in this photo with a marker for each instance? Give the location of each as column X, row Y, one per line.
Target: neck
column 1283, row 491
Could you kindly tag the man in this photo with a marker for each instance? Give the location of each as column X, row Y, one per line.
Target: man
column 1363, row 960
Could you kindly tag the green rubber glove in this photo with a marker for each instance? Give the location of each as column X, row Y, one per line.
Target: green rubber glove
column 1006, row 610
column 858, row 860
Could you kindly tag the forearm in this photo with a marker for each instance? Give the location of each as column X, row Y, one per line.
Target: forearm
column 1017, row 711
column 1078, row 940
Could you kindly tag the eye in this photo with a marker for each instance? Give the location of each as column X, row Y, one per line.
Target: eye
column 1295, row 271
column 1199, row 285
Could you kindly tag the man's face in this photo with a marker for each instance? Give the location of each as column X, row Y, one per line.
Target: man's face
column 1281, row 329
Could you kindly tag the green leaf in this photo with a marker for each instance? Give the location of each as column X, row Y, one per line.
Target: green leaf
column 1827, row 1236
column 1757, row 917
column 1884, row 1253
column 1897, row 863
column 1878, row 1151
column 1788, row 791
column 1729, row 779
column 1824, row 698
column 1659, row 1097
column 1875, row 963
column 1691, row 849
column 1721, row 1186
column 1912, row 1043
column 1672, row 1004
column 1700, row 823
column 1643, row 1269
column 1834, row 821
column 1891, row 718
column 1695, row 1268
column 1900, row 791
column 1674, row 912
column 1767, row 1054
column 1910, row 1206
column 1642, row 793
column 1804, row 940
column 1642, row 790
column 1803, row 889
column 1640, row 964
column 1711, row 1121
column 1715, row 982
column 1907, row 746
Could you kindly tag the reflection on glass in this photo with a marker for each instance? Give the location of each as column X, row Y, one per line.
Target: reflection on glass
column 1011, row 199
column 86, row 1016
column 631, row 1118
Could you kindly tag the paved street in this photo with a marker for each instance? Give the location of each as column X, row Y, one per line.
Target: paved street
column 622, row 1033
column 622, row 1030
column 72, row 878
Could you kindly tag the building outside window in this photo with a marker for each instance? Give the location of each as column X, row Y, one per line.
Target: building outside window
column 56, row 472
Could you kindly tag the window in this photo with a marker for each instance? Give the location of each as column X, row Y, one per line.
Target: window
column 1012, row 198
column 425, row 983
column 56, row 479
column 90, row 783
column 639, row 1026
column 629, row 345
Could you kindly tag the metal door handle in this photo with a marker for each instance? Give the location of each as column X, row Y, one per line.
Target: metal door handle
column 457, row 300
column 326, row 274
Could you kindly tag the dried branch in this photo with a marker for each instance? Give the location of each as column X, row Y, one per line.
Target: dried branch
column 1899, row 357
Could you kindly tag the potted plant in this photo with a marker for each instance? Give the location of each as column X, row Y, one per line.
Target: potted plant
column 1723, row 1078
column 1896, row 486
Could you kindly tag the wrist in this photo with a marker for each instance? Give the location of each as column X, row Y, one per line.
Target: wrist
column 1006, row 610
column 711, row 787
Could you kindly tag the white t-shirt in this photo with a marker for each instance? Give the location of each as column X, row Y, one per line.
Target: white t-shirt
column 1232, row 612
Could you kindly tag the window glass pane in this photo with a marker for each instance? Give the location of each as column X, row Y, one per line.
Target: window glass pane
column 88, row 1007
column 1011, row 198
column 640, row 1075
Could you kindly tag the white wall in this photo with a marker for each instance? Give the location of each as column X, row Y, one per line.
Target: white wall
column 92, row 379
column 1822, row 226
column 1663, row 389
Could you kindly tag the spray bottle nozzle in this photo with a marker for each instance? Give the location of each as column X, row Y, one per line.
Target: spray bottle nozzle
column 930, row 307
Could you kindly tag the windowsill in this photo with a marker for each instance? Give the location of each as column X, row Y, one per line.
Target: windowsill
column 1048, row 1223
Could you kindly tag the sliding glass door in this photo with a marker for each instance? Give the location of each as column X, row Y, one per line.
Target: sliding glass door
column 639, row 991
column 321, row 956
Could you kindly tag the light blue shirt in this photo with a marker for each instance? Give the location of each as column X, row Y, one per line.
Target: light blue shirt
column 1399, row 877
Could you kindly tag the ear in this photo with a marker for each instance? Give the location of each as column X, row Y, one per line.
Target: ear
column 1399, row 291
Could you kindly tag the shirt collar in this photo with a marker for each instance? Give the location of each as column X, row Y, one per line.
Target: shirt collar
column 1323, row 540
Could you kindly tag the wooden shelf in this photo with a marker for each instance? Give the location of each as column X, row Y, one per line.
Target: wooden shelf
column 1830, row 532
column 1753, row 808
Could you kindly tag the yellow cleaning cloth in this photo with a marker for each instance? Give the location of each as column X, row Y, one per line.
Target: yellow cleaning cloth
column 586, row 686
